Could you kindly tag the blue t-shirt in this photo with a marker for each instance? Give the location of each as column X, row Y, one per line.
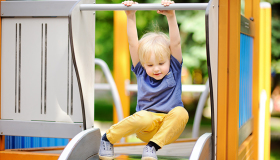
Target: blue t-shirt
column 159, row 96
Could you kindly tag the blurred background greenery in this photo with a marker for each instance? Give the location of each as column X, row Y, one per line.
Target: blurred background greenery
column 192, row 29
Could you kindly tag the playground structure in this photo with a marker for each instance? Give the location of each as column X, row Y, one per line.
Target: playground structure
column 238, row 60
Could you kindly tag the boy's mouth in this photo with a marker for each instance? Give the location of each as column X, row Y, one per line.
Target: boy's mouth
column 156, row 74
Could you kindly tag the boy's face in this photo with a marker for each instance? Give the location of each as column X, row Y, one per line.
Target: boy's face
column 157, row 69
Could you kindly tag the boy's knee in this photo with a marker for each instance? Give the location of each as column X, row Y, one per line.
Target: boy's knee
column 142, row 118
column 181, row 113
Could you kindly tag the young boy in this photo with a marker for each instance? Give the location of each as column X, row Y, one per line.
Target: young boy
column 157, row 63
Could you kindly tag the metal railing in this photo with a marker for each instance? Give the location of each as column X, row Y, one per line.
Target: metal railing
column 150, row 6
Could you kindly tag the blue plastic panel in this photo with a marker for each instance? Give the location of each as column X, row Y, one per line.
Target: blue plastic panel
column 245, row 82
column 15, row 142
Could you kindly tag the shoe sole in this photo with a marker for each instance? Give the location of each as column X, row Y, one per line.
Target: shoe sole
column 148, row 158
column 105, row 158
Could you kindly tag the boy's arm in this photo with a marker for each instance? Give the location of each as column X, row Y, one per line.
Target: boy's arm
column 132, row 33
column 174, row 34
column 175, row 39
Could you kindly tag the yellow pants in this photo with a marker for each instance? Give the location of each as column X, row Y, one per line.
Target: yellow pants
column 160, row 128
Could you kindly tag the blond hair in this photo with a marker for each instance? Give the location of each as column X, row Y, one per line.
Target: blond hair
column 153, row 42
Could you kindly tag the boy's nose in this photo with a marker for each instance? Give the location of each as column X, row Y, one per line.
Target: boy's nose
column 156, row 68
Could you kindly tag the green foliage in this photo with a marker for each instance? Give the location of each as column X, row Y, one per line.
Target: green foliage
column 103, row 107
column 275, row 39
column 275, row 148
column 103, row 110
column 104, row 35
column 192, row 28
column 275, row 65
column 272, row 1
column 275, row 35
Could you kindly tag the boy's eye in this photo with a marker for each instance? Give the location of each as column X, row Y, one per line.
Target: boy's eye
column 149, row 65
column 161, row 63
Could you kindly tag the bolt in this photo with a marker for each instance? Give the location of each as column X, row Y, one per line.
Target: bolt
column 213, row 6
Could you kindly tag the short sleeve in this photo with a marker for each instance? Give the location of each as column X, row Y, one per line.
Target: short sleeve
column 138, row 69
column 175, row 64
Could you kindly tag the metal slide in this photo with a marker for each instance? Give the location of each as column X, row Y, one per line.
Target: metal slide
column 83, row 146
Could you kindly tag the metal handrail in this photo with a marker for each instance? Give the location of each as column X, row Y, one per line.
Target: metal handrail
column 134, row 88
column 150, row 6
column 113, row 87
column 199, row 109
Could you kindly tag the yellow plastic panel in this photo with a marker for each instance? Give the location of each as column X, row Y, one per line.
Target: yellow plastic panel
column 255, row 86
column 233, row 92
column 121, row 61
column 222, row 79
column 264, row 77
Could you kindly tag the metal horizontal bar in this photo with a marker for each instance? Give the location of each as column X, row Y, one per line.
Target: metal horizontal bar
column 133, row 87
column 185, row 88
column 39, row 129
column 102, row 86
column 193, row 88
column 145, row 6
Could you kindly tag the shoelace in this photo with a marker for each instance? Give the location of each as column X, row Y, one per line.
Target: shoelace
column 106, row 146
column 149, row 149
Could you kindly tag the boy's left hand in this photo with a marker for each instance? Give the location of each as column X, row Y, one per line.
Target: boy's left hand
column 166, row 2
column 129, row 3
column 166, row 12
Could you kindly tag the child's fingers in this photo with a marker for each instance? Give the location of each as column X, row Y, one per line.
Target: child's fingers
column 125, row 3
column 160, row 12
column 128, row 3
column 166, row 2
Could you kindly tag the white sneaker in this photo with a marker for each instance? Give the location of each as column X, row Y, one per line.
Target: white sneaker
column 149, row 153
column 106, row 150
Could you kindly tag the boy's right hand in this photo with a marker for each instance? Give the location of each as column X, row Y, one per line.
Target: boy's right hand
column 167, row 13
column 129, row 3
